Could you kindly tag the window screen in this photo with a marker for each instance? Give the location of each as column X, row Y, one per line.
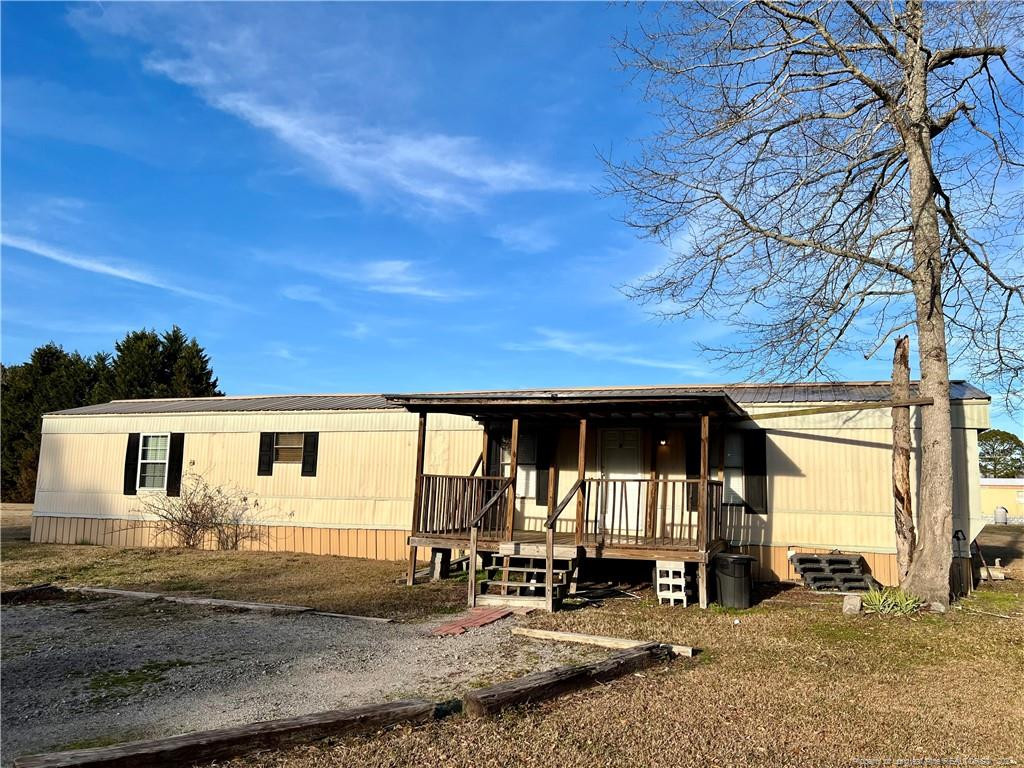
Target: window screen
column 288, row 447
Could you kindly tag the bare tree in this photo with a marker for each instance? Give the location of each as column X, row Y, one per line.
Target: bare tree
column 828, row 174
column 204, row 512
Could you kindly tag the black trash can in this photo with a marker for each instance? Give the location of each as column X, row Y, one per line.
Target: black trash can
column 733, row 579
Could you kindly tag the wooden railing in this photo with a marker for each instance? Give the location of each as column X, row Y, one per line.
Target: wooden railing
column 646, row 512
column 451, row 504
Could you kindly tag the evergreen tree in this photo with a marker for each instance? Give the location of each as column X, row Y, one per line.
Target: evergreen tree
column 136, row 369
column 191, row 375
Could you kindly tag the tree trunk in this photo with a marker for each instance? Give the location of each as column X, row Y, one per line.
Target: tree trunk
column 929, row 572
column 906, row 537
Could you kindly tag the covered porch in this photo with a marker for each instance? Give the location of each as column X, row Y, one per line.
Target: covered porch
column 618, row 474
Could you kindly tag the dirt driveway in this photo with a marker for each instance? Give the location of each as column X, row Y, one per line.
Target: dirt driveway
column 83, row 671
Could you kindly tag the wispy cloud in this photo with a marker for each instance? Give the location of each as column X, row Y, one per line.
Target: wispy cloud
column 308, row 294
column 110, row 269
column 331, row 98
column 581, row 346
column 358, row 331
column 401, row 277
column 534, row 237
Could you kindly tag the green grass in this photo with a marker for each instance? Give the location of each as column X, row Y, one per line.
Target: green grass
column 125, row 683
column 1006, row 600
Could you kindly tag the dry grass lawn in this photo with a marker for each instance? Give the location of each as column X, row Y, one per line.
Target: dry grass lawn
column 340, row 584
column 791, row 682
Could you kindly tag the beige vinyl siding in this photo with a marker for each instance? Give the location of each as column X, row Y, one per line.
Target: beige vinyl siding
column 365, row 468
column 829, row 480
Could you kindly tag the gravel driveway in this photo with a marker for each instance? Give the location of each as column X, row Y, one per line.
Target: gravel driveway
column 86, row 671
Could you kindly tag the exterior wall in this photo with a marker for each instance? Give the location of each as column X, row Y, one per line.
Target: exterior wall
column 364, row 481
column 830, row 487
column 1000, row 492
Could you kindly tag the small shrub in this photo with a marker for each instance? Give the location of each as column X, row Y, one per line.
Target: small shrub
column 890, row 601
column 204, row 512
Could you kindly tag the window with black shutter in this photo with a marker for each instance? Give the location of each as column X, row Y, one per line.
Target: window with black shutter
column 288, row 448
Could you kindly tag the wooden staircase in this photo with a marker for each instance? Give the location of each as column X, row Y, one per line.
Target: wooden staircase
column 517, row 576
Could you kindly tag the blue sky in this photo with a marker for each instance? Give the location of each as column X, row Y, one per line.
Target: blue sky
column 334, row 197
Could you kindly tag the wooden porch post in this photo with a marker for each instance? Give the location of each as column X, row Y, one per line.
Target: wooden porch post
column 581, row 473
column 549, row 533
column 702, row 514
column 485, row 453
column 652, row 489
column 421, row 444
column 513, row 468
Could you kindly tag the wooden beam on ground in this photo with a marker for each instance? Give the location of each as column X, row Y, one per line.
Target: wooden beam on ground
column 840, row 408
column 554, row 682
column 602, row 641
column 236, row 741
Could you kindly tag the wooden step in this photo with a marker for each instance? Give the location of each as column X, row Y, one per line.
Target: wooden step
column 524, row 549
column 540, row 569
column 521, row 584
column 512, row 600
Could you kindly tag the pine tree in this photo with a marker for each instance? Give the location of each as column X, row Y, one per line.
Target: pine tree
column 137, row 365
column 191, row 375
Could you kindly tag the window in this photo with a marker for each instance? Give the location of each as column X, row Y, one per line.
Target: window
column 526, row 464
column 153, row 454
column 733, row 491
column 288, row 447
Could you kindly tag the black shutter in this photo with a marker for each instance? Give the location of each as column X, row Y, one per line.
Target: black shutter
column 131, row 465
column 174, row 461
column 266, row 464
column 691, row 442
column 755, row 471
column 310, row 443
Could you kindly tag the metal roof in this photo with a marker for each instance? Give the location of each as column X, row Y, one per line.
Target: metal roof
column 837, row 392
column 742, row 394
column 273, row 403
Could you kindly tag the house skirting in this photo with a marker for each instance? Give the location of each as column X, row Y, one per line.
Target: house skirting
column 372, row 543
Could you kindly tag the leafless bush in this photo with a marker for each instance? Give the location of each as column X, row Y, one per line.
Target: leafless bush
column 202, row 512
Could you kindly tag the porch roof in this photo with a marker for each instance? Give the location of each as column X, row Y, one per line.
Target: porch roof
column 631, row 403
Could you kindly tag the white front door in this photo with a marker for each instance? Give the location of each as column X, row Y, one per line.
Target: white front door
column 622, row 502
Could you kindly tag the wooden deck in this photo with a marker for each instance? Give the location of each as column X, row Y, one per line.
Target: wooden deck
column 649, row 550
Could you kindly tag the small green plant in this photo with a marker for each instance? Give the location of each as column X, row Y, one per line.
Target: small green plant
column 890, row 601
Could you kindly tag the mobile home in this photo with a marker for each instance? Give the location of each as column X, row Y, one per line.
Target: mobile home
column 642, row 473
